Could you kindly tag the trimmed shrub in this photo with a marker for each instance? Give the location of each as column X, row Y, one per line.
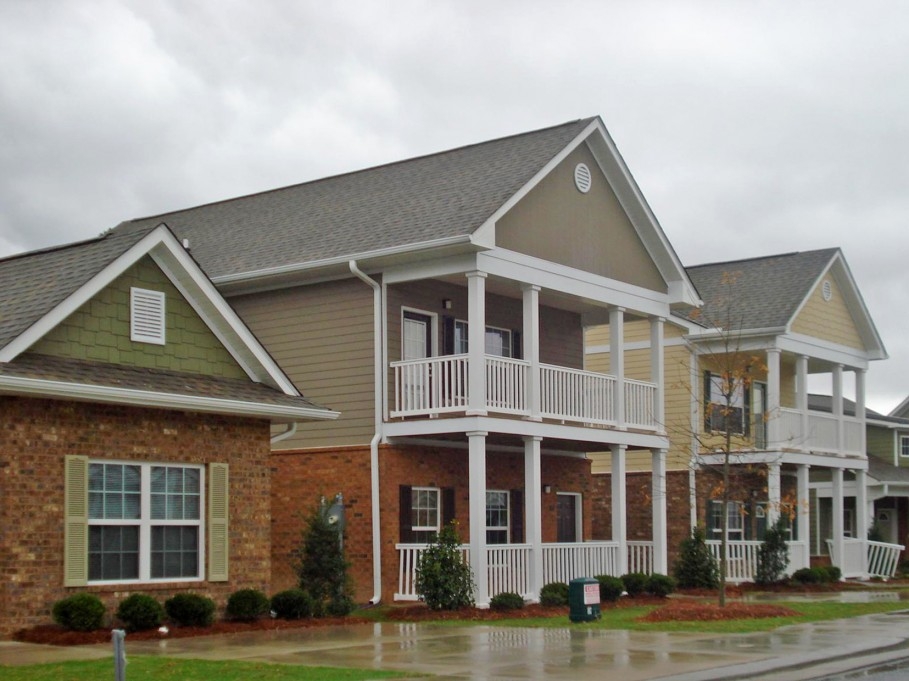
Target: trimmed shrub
column 554, row 593
column 834, row 574
column 696, row 567
column 611, row 588
column 444, row 580
column 190, row 610
column 247, row 605
column 506, row 601
column 660, row 585
column 809, row 575
column 79, row 612
column 139, row 612
column 323, row 566
column 339, row 605
column 772, row 555
column 293, row 604
column 635, row 583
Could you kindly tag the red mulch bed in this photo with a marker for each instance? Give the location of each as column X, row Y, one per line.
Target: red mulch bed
column 684, row 610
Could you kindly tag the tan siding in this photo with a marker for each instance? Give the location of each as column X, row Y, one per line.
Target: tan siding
column 322, row 337
column 828, row 320
column 590, row 232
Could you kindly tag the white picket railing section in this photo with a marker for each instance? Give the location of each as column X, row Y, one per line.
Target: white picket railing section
column 508, row 565
column 438, row 385
column 640, row 556
column 863, row 558
column 822, row 435
column 741, row 562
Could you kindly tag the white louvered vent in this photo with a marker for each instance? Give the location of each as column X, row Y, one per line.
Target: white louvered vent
column 582, row 177
column 146, row 319
column 827, row 290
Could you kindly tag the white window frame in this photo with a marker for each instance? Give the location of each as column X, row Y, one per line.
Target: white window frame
column 415, row 509
column 903, row 444
column 506, row 528
column 145, row 522
column 735, row 519
column 147, row 316
column 736, row 401
column 461, row 327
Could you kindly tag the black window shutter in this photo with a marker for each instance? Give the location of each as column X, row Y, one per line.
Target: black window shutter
column 746, row 412
column 448, row 505
column 517, row 347
column 517, row 516
column 708, row 411
column 406, row 526
column 448, row 326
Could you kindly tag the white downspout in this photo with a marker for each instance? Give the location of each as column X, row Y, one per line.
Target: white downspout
column 290, row 432
column 374, row 443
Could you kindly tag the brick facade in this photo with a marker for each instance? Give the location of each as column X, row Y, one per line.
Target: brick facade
column 300, row 478
column 36, row 435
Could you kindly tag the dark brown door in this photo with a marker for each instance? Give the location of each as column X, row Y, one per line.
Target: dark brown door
column 566, row 518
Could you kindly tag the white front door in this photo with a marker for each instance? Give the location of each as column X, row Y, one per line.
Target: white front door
column 416, row 344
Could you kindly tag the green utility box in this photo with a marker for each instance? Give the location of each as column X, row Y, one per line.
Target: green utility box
column 583, row 600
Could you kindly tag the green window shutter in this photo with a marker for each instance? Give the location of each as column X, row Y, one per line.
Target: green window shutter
column 217, row 522
column 75, row 524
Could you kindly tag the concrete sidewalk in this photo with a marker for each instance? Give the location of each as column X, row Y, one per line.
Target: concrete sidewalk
column 793, row 653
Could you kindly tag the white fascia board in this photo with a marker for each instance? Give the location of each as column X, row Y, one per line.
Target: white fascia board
column 341, row 260
column 83, row 294
column 219, row 316
column 794, row 458
column 817, row 348
column 430, row 269
column 549, row 431
column 140, row 398
column 570, row 281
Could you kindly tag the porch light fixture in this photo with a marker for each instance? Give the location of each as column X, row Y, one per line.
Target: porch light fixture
column 547, row 489
column 446, row 303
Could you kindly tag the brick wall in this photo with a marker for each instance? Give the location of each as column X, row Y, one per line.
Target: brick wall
column 299, row 478
column 36, row 435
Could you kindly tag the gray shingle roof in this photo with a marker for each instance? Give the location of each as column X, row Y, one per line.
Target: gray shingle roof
column 757, row 293
column 443, row 195
column 33, row 283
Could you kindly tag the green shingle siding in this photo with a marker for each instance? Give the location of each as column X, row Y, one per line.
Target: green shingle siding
column 99, row 331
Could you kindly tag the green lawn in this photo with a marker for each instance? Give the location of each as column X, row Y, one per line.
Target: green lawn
column 145, row 668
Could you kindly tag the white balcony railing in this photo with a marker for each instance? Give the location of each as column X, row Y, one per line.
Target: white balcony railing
column 822, row 434
column 863, row 558
column 741, row 561
column 640, row 556
column 438, row 385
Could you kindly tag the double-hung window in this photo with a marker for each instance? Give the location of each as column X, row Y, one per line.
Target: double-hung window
column 144, row 522
column 497, row 517
column 498, row 341
column 735, row 520
column 904, row 445
column 725, row 405
column 424, row 509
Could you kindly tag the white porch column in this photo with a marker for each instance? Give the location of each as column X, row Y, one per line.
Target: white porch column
column 660, row 523
column 773, row 493
column 476, row 345
column 803, row 502
column 619, row 500
column 657, row 370
column 838, row 543
column 617, row 362
column 773, row 398
column 477, row 490
column 801, row 396
column 860, row 407
column 533, row 514
column 532, row 347
column 862, row 519
column 838, row 406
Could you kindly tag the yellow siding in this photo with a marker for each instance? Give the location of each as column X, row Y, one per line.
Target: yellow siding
column 829, row 320
column 322, row 336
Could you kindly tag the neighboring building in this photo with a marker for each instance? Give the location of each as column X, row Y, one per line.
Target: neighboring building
column 784, row 320
column 134, row 439
column 440, row 303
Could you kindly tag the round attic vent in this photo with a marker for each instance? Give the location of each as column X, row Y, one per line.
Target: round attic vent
column 582, row 178
column 827, row 290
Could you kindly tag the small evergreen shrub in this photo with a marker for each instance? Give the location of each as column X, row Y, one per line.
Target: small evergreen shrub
column 660, row 585
column 139, row 612
column 696, row 567
column 554, row 593
column 293, row 604
column 809, row 575
column 247, row 605
column 190, row 610
column 611, row 588
column 772, row 555
column 507, row 601
column 79, row 612
column 834, row 574
column 444, row 580
column 635, row 583
column 339, row 605
column 323, row 567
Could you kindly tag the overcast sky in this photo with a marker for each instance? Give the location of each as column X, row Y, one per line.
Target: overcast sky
column 752, row 127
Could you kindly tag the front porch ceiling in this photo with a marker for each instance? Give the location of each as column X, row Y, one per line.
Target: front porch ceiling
column 507, row 442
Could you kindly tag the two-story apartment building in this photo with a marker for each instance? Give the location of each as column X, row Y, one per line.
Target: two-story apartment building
column 768, row 328
column 440, row 304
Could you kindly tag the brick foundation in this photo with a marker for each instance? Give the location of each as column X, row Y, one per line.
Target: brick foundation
column 36, row 435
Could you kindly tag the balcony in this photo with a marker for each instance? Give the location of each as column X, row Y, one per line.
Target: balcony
column 439, row 385
column 822, row 434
